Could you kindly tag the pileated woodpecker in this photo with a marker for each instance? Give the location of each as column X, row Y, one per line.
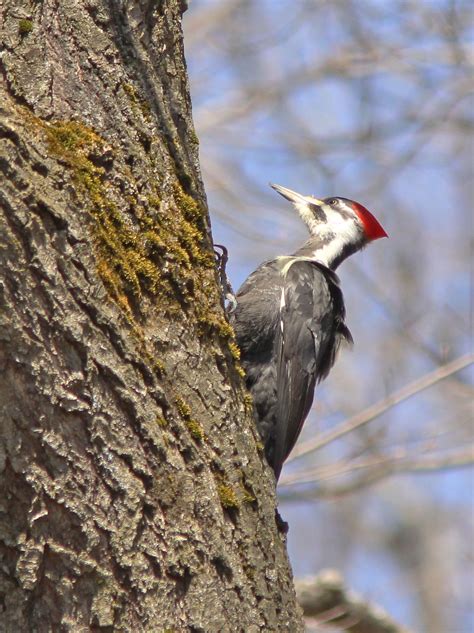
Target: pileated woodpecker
column 289, row 317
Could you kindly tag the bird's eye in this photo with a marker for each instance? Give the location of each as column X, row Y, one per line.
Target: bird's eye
column 333, row 202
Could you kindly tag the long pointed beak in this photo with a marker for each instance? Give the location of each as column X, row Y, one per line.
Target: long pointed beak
column 293, row 196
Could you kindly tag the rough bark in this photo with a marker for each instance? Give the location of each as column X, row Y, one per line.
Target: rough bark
column 133, row 491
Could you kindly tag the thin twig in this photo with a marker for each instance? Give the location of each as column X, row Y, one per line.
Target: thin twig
column 326, row 601
column 378, row 468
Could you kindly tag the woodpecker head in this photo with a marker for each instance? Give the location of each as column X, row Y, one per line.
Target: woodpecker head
column 338, row 227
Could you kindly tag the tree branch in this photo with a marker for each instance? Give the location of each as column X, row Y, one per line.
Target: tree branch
column 377, row 468
column 326, row 602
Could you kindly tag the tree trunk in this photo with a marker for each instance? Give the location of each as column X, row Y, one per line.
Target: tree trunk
column 134, row 493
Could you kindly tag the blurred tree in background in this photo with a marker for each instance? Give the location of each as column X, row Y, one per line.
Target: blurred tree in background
column 369, row 100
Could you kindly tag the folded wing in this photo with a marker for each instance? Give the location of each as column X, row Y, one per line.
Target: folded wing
column 310, row 330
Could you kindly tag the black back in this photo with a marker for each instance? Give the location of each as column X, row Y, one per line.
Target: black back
column 289, row 323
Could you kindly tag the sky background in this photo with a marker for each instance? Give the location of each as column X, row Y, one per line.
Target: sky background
column 371, row 101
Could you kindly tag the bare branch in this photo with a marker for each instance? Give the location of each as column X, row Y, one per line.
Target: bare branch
column 326, row 602
column 378, row 468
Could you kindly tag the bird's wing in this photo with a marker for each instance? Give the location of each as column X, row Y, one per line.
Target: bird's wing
column 305, row 345
column 257, row 303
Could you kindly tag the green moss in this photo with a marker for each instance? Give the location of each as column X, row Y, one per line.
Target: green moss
column 196, row 430
column 248, row 402
column 192, row 228
column 176, row 238
column 136, row 100
column 150, row 251
column 158, row 366
column 161, row 421
column 210, row 320
column 66, row 138
column 184, row 409
column 122, row 249
column 193, row 426
column 234, row 350
column 24, row 27
column 240, row 370
column 224, row 328
column 154, row 201
column 182, row 240
column 227, row 496
column 191, row 209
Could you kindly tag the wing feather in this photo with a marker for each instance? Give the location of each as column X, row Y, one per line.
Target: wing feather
column 311, row 327
column 299, row 310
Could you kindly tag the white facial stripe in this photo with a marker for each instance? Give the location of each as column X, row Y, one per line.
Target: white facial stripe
column 335, row 221
column 338, row 229
column 307, row 215
column 344, row 231
column 326, row 208
column 329, row 253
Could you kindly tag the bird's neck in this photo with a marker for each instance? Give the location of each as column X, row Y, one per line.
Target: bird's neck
column 328, row 249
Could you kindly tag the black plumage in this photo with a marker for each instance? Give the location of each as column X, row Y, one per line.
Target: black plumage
column 299, row 308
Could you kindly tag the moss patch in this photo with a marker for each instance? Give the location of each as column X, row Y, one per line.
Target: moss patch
column 161, row 254
column 161, row 421
column 24, row 27
column 240, row 370
column 196, row 430
column 122, row 248
column 248, row 497
column 184, row 410
column 193, row 426
column 248, row 403
column 234, row 350
column 227, row 496
column 143, row 249
column 137, row 102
